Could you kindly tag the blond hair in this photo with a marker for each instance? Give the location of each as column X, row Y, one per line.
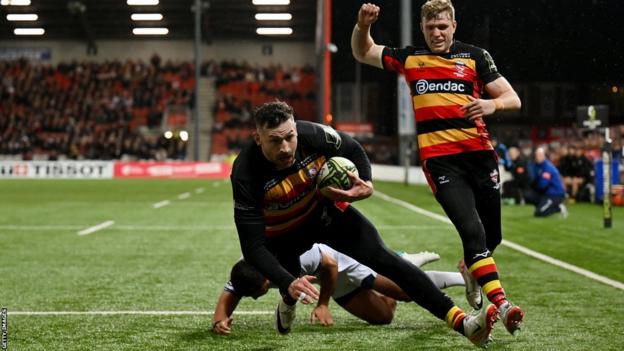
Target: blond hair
column 432, row 8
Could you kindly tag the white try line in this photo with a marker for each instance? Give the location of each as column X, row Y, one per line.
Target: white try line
column 184, row 196
column 133, row 227
column 44, row 227
column 95, row 228
column 161, row 204
column 512, row 245
column 125, row 313
column 564, row 265
column 118, row 227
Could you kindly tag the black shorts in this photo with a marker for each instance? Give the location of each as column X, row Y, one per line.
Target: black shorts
column 468, row 188
column 477, row 169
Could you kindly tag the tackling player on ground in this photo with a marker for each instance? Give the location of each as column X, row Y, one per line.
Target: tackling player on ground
column 355, row 287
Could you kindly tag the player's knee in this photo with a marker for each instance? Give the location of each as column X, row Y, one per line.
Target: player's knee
column 382, row 318
column 473, row 237
column 471, row 229
column 385, row 314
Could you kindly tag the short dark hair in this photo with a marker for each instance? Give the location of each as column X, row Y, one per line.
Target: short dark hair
column 246, row 279
column 272, row 114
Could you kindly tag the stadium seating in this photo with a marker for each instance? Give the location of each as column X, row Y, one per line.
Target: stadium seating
column 90, row 110
column 105, row 110
column 241, row 87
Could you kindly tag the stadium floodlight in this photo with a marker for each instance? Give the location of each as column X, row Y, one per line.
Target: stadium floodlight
column 168, row 134
column 146, row 17
column 15, row 2
column 28, row 31
column 274, row 31
column 150, row 31
column 273, row 16
column 22, row 17
column 184, row 135
column 142, row 2
column 271, row 2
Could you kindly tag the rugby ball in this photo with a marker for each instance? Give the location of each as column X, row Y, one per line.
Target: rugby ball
column 334, row 173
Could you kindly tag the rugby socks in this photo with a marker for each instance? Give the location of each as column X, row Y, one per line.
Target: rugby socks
column 455, row 319
column 485, row 272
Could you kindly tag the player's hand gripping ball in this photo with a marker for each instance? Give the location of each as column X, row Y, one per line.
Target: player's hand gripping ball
column 334, row 173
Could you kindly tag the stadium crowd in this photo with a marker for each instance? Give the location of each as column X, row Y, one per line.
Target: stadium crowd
column 577, row 159
column 112, row 109
column 241, row 86
column 89, row 110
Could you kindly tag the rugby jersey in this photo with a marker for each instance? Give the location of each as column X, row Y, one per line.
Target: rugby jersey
column 440, row 84
column 269, row 203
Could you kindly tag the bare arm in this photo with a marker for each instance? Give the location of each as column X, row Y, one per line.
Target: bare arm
column 504, row 97
column 222, row 321
column 503, row 91
column 363, row 46
column 328, row 276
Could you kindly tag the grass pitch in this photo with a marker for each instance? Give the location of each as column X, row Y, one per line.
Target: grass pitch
column 151, row 280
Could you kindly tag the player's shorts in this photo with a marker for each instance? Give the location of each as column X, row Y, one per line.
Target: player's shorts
column 476, row 169
column 351, row 273
column 367, row 283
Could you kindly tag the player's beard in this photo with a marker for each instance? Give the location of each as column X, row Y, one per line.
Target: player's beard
column 286, row 160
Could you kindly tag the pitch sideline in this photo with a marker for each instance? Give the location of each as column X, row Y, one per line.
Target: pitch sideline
column 125, row 313
column 95, row 228
column 545, row 258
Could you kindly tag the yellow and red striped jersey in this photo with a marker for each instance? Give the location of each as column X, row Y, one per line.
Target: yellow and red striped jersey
column 281, row 200
column 289, row 201
column 440, row 84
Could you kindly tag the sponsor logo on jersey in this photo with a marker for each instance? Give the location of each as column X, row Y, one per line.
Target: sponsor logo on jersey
column 311, row 172
column 332, row 136
column 490, row 61
column 460, row 69
column 461, row 55
column 424, row 86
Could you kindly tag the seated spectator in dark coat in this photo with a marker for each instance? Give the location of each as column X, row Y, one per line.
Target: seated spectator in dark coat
column 520, row 181
column 581, row 174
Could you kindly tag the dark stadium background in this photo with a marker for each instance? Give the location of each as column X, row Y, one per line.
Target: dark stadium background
column 578, row 42
column 558, row 54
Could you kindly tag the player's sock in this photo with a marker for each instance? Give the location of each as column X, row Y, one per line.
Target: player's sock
column 455, row 319
column 485, row 272
column 444, row 280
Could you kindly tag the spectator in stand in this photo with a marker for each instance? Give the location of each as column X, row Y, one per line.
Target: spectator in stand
column 83, row 110
column 548, row 191
column 520, row 181
column 566, row 155
column 582, row 175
